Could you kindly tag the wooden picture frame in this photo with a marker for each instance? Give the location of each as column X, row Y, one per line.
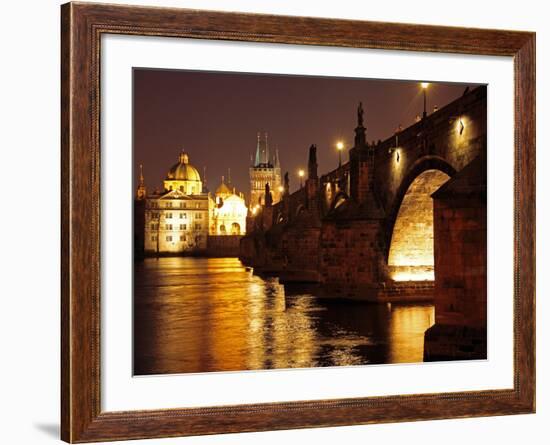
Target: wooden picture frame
column 82, row 26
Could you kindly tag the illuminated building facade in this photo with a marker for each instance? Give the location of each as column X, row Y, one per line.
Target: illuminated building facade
column 176, row 220
column 228, row 216
column 184, row 218
column 265, row 170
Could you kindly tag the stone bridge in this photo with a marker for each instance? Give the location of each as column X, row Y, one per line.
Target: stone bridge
column 366, row 229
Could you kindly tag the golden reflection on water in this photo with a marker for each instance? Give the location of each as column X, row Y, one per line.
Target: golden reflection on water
column 211, row 314
column 407, row 327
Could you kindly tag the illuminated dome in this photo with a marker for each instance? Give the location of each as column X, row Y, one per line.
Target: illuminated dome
column 183, row 177
column 223, row 190
column 183, row 171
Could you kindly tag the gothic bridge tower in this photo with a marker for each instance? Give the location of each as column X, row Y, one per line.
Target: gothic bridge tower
column 265, row 169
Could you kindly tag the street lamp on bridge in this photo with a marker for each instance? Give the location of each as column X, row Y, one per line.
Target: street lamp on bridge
column 339, row 147
column 301, row 174
column 424, row 86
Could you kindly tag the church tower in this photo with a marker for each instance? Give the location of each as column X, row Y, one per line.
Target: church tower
column 265, row 169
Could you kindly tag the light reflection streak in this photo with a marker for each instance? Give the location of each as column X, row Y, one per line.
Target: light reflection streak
column 200, row 315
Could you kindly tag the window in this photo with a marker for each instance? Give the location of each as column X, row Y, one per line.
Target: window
column 199, row 215
column 154, row 226
column 197, row 226
column 182, row 205
column 235, row 229
column 169, row 238
column 168, row 227
column 183, row 238
column 168, row 215
column 169, row 204
column 182, row 227
column 198, row 205
column 183, row 216
column 154, row 238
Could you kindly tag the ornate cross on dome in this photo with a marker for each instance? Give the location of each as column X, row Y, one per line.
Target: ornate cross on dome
column 184, row 158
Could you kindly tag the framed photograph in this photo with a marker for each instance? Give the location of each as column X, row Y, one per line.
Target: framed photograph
column 275, row 222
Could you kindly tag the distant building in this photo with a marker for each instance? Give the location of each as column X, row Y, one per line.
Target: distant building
column 182, row 218
column 176, row 219
column 265, row 170
column 228, row 216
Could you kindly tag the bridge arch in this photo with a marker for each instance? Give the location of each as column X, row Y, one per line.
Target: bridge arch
column 410, row 220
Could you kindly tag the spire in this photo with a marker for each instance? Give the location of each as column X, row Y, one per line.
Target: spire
column 141, row 192
column 277, row 162
column 266, row 149
column 229, row 175
column 141, row 178
column 204, row 185
column 257, row 152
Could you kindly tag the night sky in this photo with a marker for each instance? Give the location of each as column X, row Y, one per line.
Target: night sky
column 215, row 117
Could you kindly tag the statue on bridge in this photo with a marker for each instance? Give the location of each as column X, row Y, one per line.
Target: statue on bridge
column 312, row 162
column 268, row 196
column 360, row 136
column 287, row 184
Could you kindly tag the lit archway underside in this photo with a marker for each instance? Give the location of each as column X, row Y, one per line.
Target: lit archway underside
column 411, row 256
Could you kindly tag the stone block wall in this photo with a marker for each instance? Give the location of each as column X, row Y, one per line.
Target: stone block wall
column 223, row 246
column 352, row 259
column 460, row 254
column 299, row 251
column 460, row 233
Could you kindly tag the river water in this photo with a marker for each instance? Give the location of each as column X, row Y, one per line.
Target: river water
column 212, row 314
